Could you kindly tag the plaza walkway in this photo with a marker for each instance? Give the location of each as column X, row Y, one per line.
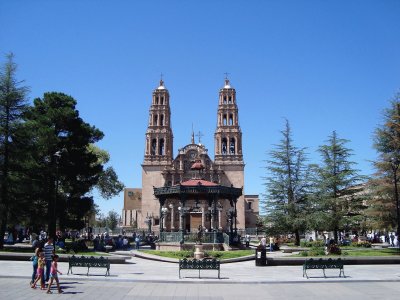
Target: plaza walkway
column 147, row 279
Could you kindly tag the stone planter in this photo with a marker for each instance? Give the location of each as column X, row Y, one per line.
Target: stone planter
column 198, row 251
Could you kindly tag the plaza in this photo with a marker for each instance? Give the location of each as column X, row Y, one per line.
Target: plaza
column 147, row 279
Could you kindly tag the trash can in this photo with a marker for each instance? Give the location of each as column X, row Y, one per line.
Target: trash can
column 261, row 257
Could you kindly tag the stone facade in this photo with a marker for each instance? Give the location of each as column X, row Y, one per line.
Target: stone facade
column 160, row 168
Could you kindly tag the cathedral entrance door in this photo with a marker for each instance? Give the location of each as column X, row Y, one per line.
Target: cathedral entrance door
column 195, row 221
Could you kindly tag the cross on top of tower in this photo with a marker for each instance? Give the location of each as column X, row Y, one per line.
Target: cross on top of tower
column 161, row 80
column 227, row 84
column 199, row 135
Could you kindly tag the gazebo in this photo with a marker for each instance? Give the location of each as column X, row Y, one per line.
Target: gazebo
column 196, row 205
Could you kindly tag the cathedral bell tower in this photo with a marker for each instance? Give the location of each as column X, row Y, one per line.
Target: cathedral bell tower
column 228, row 136
column 159, row 138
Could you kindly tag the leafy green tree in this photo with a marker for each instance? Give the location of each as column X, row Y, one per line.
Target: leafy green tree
column 286, row 188
column 112, row 220
column 338, row 201
column 108, row 184
column 12, row 106
column 64, row 170
column 384, row 205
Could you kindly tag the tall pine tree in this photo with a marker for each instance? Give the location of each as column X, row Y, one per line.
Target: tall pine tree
column 384, row 205
column 12, row 106
column 338, row 198
column 286, row 187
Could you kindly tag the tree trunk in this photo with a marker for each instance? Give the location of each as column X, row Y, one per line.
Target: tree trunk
column 3, row 227
column 335, row 235
column 297, row 234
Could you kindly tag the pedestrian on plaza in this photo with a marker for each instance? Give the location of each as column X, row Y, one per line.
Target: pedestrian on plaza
column 137, row 242
column 54, row 275
column 35, row 259
column 247, row 240
column 392, row 239
column 263, row 242
column 40, row 271
column 48, row 252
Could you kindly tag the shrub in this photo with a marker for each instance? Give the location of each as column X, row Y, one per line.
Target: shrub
column 334, row 249
column 77, row 246
column 363, row 244
column 313, row 244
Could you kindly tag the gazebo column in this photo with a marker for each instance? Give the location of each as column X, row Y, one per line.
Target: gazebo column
column 162, row 216
column 171, row 207
column 181, row 212
column 219, row 218
column 235, row 201
column 203, row 216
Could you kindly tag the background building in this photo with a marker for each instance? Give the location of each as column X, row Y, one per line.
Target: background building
column 160, row 168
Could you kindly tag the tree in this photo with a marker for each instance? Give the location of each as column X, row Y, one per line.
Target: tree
column 386, row 182
column 286, row 187
column 338, row 200
column 108, row 184
column 112, row 220
column 12, row 106
column 64, row 170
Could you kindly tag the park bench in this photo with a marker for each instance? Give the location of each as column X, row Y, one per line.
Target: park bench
column 323, row 264
column 88, row 262
column 199, row 264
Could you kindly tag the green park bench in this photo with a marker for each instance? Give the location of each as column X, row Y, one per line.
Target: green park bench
column 199, row 264
column 88, row 262
column 323, row 264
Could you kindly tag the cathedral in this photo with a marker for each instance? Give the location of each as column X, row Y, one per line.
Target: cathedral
column 191, row 166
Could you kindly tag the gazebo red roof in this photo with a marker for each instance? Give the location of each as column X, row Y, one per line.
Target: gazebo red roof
column 194, row 182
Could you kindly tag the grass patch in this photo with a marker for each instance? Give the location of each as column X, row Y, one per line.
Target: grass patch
column 189, row 254
column 371, row 252
column 356, row 251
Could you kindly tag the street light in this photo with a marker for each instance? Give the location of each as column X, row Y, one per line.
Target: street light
column 148, row 222
column 57, row 157
column 164, row 212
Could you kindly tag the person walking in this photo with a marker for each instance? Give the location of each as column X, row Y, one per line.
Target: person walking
column 48, row 253
column 35, row 259
column 54, row 275
column 40, row 271
column 392, row 239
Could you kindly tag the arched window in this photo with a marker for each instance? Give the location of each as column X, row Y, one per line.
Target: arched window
column 156, row 100
column 230, row 99
column 161, row 147
column 232, row 146
column 224, row 146
column 155, row 120
column 162, row 100
column 225, row 121
column 230, row 119
column 224, row 99
column 153, row 146
column 162, row 120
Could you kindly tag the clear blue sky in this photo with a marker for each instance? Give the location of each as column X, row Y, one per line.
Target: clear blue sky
column 323, row 65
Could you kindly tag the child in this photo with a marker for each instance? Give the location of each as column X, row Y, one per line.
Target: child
column 53, row 275
column 34, row 260
column 40, row 271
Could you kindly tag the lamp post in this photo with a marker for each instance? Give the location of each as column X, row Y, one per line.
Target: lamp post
column 182, row 211
column 57, row 156
column 148, row 222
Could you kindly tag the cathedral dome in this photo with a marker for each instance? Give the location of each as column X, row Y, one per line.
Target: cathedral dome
column 198, row 165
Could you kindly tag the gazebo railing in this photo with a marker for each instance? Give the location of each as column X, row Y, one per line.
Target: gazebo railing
column 208, row 237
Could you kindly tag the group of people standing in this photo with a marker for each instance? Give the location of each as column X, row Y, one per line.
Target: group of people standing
column 45, row 267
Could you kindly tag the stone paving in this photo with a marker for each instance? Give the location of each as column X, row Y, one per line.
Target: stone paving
column 147, row 279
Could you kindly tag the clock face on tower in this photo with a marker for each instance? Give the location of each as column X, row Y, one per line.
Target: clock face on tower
column 192, row 154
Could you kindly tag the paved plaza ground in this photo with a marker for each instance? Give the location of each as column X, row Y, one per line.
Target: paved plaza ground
column 147, row 279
